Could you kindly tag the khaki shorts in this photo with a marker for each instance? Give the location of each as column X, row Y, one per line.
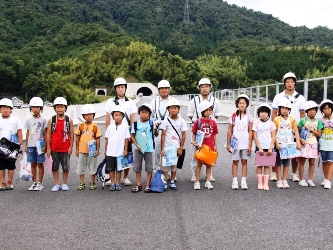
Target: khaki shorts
column 169, row 168
column 86, row 161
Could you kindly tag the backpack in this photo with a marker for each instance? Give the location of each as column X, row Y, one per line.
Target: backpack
column 54, row 124
column 81, row 128
column 158, row 182
column 278, row 122
column 151, row 123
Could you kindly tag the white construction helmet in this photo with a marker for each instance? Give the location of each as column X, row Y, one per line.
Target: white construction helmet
column 285, row 103
column 36, row 102
column 6, row 102
column 204, row 81
column 147, row 105
column 60, row 101
column 163, row 84
column 325, row 101
column 289, row 75
column 265, row 105
column 119, row 81
column 205, row 105
column 118, row 108
column 172, row 102
column 88, row 109
column 243, row 96
column 310, row 105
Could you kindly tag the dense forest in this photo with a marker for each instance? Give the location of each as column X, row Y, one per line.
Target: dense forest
column 51, row 48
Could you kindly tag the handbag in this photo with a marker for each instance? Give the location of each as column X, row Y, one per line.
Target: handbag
column 206, row 155
column 181, row 158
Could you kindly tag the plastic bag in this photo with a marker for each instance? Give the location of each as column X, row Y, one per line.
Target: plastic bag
column 158, row 182
column 25, row 171
column 206, row 155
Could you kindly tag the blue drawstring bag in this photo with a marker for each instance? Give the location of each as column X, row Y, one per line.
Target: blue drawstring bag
column 158, row 182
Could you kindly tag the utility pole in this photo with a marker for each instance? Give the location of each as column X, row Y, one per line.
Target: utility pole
column 186, row 13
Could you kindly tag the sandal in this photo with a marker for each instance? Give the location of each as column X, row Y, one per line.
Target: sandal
column 81, row 186
column 147, row 189
column 137, row 189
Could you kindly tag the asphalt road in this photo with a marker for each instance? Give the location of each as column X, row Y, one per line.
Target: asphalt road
column 298, row 218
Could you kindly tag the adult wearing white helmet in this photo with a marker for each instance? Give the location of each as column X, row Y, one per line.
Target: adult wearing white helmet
column 159, row 113
column 194, row 113
column 130, row 109
column 297, row 111
column 10, row 128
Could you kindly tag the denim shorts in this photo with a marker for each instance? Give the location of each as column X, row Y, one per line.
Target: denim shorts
column 33, row 156
column 326, row 156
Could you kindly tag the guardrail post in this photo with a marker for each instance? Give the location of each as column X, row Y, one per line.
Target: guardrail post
column 277, row 89
column 266, row 94
column 251, row 95
column 325, row 88
column 305, row 90
column 258, row 93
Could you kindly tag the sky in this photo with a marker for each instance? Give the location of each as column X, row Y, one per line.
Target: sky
column 311, row 13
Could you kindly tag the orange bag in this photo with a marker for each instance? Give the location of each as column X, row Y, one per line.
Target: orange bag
column 206, row 155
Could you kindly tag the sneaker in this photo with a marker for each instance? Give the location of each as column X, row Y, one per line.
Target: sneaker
column 173, row 186
column 64, row 187
column 175, row 179
column 108, row 183
column 328, row 185
column 311, row 183
column 193, row 179
column 9, row 186
column 113, row 187
column 33, row 186
column 208, row 185
column 303, row 183
column 323, row 183
column 234, row 186
column 92, row 185
column 197, row 185
column 285, row 184
column 39, row 186
column 3, row 187
column 279, row 184
column 294, row 177
column 118, row 187
column 273, row 176
column 244, row 186
column 56, row 188
column 126, row 182
column 165, row 187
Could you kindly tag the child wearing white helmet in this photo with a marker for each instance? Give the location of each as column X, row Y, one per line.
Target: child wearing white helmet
column 10, row 128
column 264, row 133
column 286, row 126
column 120, row 86
column 143, row 149
column 88, row 136
column 59, row 141
column 116, row 144
column 326, row 142
column 209, row 127
column 173, row 134
column 240, row 127
column 310, row 129
column 36, row 132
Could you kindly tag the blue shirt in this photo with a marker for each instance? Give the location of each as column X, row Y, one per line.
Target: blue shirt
column 144, row 127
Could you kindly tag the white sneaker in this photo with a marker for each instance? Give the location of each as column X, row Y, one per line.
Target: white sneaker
column 328, row 185
column 323, row 183
column 193, row 179
column 303, row 183
column 234, row 186
column 273, row 176
column 39, row 186
column 311, row 183
column 196, row 185
column 244, row 186
column 33, row 186
column 108, row 183
column 285, row 184
column 208, row 185
column 294, row 177
column 126, row 182
column 279, row 184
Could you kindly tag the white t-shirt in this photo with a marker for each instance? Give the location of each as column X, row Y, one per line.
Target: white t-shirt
column 171, row 137
column 128, row 104
column 284, row 133
column 159, row 109
column 116, row 138
column 264, row 130
column 297, row 104
column 193, row 112
column 36, row 127
column 9, row 127
column 241, row 130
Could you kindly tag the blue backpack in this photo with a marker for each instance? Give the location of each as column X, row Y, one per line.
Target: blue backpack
column 158, row 182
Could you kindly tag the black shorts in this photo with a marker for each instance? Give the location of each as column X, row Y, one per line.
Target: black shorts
column 5, row 164
column 111, row 164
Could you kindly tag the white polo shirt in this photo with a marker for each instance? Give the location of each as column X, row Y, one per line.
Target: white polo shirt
column 126, row 103
column 297, row 104
column 193, row 108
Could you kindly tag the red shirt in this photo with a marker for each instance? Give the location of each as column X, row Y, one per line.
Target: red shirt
column 210, row 129
column 60, row 140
